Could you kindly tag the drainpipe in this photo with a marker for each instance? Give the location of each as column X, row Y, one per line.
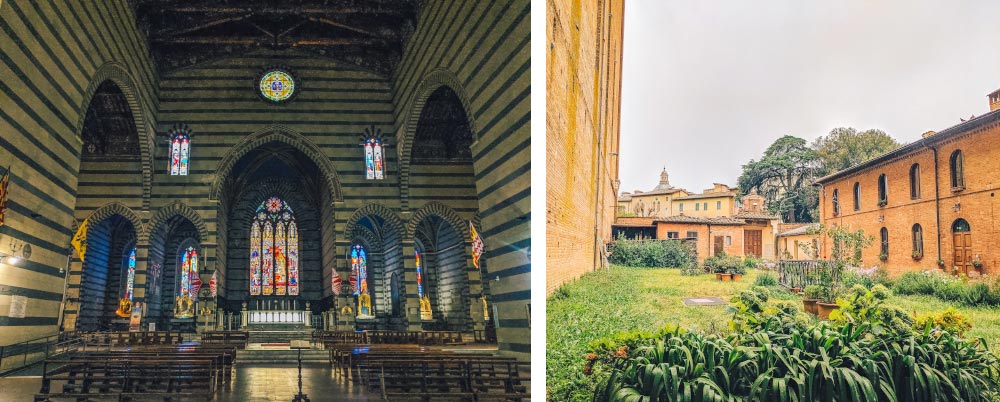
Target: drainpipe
column 937, row 202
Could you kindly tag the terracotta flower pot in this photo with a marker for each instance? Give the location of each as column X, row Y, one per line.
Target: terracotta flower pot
column 823, row 310
column 726, row 277
column 737, row 277
column 809, row 306
column 718, row 275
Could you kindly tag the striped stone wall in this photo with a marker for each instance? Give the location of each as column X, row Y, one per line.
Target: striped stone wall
column 53, row 55
column 481, row 51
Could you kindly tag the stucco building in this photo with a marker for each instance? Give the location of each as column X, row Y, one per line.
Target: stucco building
column 930, row 200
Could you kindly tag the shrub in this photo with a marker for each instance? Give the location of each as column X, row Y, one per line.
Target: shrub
column 812, row 292
column 765, row 278
column 806, row 361
column 976, row 294
column 723, row 263
column 950, row 291
column 866, row 277
column 919, row 283
column 661, row 253
column 949, row 320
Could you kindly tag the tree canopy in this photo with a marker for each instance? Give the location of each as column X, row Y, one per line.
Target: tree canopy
column 784, row 176
column 845, row 147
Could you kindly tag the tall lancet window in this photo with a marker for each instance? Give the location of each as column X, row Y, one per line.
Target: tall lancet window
column 130, row 274
column 180, row 151
column 274, row 250
column 426, row 313
column 374, row 160
column 189, row 270
column 359, row 270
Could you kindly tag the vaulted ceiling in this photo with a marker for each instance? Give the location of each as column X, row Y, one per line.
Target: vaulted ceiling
column 370, row 34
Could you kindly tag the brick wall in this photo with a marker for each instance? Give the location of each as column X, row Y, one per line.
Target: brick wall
column 977, row 203
column 583, row 79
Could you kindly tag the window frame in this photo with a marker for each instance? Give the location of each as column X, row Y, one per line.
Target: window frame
column 956, row 165
column 918, row 240
column 915, row 181
column 836, row 202
column 884, row 238
column 883, row 190
column 857, row 196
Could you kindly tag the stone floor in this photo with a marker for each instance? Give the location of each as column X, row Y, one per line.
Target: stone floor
column 257, row 383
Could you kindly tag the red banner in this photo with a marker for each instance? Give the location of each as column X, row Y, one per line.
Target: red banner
column 336, row 283
column 195, row 286
column 212, row 285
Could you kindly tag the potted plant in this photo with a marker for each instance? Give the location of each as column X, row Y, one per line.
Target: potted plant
column 811, row 295
column 827, row 302
column 719, row 270
column 883, row 256
column 977, row 264
column 737, row 271
column 917, row 255
column 882, row 203
column 940, row 263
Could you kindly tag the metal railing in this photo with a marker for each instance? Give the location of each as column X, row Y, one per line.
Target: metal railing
column 19, row 355
column 799, row 274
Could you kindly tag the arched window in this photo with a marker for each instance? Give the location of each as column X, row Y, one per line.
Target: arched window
column 918, row 241
column 129, row 274
column 957, row 170
column 188, row 272
column 374, row 161
column 915, row 181
column 884, row 234
column 359, row 270
column 857, row 196
column 180, row 152
column 883, row 191
column 274, row 250
column 960, row 226
column 426, row 313
column 836, row 203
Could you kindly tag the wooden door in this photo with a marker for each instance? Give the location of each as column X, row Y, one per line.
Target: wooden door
column 752, row 242
column 720, row 244
column 963, row 251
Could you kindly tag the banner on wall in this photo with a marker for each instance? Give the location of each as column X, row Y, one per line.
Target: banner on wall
column 212, row 285
column 477, row 245
column 4, row 181
column 195, row 286
column 336, row 282
column 79, row 241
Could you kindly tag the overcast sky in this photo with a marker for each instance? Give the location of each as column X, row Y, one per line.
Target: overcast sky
column 709, row 85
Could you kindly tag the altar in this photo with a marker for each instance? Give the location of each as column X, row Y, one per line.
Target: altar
column 276, row 317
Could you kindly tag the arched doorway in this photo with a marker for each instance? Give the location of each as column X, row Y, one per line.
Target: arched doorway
column 374, row 268
column 444, row 278
column 175, row 254
column 276, row 213
column 108, row 277
column 962, row 243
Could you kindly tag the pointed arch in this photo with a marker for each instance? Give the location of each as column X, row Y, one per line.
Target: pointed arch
column 118, row 74
column 442, row 211
column 285, row 135
column 408, row 130
column 117, row 208
column 392, row 220
column 178, row 208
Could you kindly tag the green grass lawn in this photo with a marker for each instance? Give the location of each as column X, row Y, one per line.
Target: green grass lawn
column 622, row 299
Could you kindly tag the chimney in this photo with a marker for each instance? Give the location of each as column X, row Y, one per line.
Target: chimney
column 995, row 100
column 928, row 134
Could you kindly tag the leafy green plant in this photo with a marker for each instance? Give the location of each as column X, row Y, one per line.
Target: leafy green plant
column 812, row 292
column 949, row 320
column 651, row 253
column 766, row 278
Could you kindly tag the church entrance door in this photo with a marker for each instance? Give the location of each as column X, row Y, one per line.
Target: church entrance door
column 753, row 242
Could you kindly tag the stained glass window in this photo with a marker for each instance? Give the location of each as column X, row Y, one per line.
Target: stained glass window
column 130, row 279
column 274, row 250
column 277, row 86
column 374, row 161
column 180, row 154
column 189, row 269
column 425, row 301
column 420, row 279
column 359, row 270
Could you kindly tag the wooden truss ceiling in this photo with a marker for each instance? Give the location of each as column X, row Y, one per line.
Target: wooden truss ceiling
column 367, row 33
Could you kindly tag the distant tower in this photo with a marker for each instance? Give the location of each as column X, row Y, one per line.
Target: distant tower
column 753, row 202
column 664, row 177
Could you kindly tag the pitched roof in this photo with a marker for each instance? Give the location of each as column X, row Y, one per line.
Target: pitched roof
column 727, row 194
column 801, row 230
column 756, row 215
column 701, row 220
column 913, row 146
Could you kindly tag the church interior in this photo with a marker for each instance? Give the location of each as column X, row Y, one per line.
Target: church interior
column 249, row 181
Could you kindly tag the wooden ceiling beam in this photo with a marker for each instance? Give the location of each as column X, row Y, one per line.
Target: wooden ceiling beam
column 209, row 24
column 290, row 10
column 261, row 41
column 327, row 21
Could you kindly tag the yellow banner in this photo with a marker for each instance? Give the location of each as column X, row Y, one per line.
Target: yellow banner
column 79, row 241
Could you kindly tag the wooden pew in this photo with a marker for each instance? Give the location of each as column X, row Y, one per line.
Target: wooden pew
column 128, row 377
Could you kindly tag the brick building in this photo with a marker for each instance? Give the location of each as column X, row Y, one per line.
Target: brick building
column 583, row 80
column 934, row 199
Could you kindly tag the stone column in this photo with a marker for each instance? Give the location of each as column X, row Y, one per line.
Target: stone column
column 475, row 291
column 412, row 301
column 139, row 284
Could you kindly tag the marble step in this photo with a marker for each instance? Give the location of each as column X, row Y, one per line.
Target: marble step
column 281, row 356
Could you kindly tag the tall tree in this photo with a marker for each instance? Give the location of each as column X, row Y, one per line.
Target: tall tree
column 845, row 147
column 784, row 176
